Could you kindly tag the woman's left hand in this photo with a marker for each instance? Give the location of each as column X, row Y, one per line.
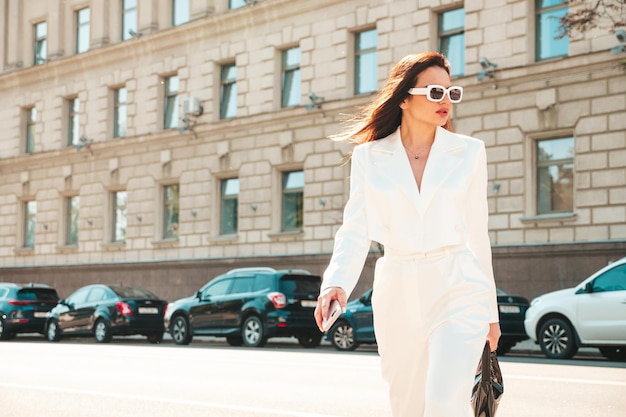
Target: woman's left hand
column 494, row 335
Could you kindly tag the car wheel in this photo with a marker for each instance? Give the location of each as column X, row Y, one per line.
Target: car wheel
column 180, row 331
column 310, row 340
column 155, row 338
column 53, row 332
column 234, row 340
column 557, row 339
column 252, row 332
column 4, row 335
column 614, row 353
column 504, row 348
column 102, row 331
column 342, row 337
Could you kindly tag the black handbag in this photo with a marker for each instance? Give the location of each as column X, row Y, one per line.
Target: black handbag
column 488, row 387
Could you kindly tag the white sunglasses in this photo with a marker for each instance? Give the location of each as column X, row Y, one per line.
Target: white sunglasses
column 436, row 93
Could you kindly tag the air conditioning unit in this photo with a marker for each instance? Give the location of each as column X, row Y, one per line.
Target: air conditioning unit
column 192, row 106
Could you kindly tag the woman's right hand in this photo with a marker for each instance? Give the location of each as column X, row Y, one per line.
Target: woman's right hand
column 323, row 303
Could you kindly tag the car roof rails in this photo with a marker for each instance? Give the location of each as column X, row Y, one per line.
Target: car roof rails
column 296, row 271
column 252, row 269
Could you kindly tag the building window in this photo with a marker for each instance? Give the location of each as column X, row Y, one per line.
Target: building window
column 291, row 78
column 549, row 13
column 555, row 175
column 171, row 102
column 72, row 205
column 82, row 30
column 229, row 196
column 366, row 65
column 170, row 211
column 73, row 121
column 31, row 119
column 30, row 220
column 452, row 39
column 120, row 100
column 180, row 12
column 129, row 19
column 292, row 199
column 236, row 4
column 228, row 95
column 41, row 43
column 118, row 216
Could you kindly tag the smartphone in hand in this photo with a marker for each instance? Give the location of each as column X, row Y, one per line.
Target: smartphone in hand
column 333, row 314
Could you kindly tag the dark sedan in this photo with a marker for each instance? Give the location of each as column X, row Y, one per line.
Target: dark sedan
column 104, row 311
column 356, row 325
column 24, row 307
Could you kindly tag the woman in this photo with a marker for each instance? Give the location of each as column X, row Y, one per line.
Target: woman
column 421, row 191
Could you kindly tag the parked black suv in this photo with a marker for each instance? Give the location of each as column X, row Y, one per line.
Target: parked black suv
column 24, row 307
column 248, row 306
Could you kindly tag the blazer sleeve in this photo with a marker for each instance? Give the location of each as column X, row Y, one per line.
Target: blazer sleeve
column 479, row 228
column 352, row 242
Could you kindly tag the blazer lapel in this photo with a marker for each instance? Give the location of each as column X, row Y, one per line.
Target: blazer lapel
column 390, row 159
column 445, row 157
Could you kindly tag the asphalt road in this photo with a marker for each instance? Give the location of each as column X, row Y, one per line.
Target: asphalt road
column 208, row 378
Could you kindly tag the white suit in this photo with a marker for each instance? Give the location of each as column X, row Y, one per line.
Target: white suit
column 434, row 292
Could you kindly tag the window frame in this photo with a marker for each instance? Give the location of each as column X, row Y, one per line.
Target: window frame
column 537, row 188
column 71, row 219
column 299, row 204
column 175, row 9
column 115, row 210
column 171, row 102
column 359, row 56
column 73, row 121
column 224, row 200
column 40, row 44
column 228, row 91
column 448, row 35
column 539, row 12
column 129, row 14
column 29, row 224
column 118, row 105
column 30, row 118
column 170, row 208
column 82, row 28
column 291, row 78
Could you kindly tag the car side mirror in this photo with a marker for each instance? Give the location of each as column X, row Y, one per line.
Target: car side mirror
column 199, row 295
column 365, row 300
column 589, row 287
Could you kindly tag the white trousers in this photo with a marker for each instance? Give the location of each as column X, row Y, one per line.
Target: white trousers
column 431, row 319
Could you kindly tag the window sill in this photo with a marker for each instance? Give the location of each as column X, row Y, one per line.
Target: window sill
column 112, row 246
column 286, row 236
column 23, row 251
column 549, row 218
column 165, row 243
column 67, row 248
column 224, row 238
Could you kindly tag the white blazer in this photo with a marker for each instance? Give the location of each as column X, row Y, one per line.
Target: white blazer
column 386, row 206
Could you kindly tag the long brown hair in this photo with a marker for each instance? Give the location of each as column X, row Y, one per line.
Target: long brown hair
column 382, row 116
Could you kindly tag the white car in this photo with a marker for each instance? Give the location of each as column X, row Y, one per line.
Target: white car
column 593, row 314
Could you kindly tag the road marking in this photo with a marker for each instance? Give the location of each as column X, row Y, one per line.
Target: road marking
column 556, row 379
column 210, row 405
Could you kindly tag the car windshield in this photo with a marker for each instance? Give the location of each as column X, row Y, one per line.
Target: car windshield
column 41, row 294
column 300, row 286
column 133, row 292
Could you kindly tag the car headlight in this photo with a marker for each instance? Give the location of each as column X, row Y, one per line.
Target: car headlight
column 535, row 301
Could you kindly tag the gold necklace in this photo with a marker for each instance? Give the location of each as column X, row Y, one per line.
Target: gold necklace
column 417, row 155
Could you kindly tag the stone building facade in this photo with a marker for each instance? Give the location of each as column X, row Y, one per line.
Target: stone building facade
column 122, row 122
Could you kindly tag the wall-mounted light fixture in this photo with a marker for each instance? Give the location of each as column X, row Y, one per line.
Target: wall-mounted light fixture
column 253, row 207
column 45, row 226
column 322, row 202
column 90, row 222
column 315, row 101
column 84, row 142
column 193, row 213
column 488, row 69
column 621, row 37
column 139, row 218
column 495, row 187
column 134, row 34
